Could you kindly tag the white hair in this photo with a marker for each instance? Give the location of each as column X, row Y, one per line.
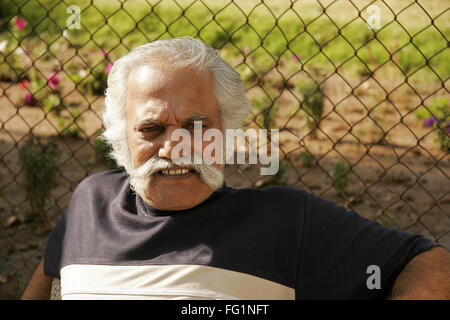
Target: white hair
column 177, row 53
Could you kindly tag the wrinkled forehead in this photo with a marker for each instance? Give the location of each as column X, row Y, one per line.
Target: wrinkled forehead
column 148, row 78
column 152, row 79
column 155, row 88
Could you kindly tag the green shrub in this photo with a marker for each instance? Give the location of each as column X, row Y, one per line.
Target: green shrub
column 436, row 114
column 312, row 105
column 307, row 158
column 437, row 108
column 265, row 111
column 40, row 163
column 339, row 174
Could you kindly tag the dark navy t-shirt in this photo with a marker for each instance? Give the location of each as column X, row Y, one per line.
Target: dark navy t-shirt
column 271, row 243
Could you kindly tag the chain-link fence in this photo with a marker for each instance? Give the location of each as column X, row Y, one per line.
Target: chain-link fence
column 357, row 89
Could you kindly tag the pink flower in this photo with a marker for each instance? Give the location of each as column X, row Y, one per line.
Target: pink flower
column 245, row 49
column 104, row 53
column 430, row 121
column 23, row 84
column 20, row 23
column 108, row 67
column 29, row 100
column 295, row 58
column 53, row 81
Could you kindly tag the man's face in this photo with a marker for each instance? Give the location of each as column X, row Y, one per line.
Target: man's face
column 159, row 101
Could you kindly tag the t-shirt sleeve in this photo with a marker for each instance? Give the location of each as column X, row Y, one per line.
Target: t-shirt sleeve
column 53, row 250
column 338, row 247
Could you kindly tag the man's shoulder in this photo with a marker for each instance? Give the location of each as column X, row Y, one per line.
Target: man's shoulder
column 98, row 189
column 102, row 180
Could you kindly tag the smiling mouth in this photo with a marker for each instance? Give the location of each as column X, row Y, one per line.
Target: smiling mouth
column 176, row 172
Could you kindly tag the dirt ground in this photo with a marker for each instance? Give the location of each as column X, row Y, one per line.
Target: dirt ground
column 402, row 183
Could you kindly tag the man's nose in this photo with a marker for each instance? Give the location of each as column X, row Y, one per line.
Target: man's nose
column 165, row 151
column 167, row 147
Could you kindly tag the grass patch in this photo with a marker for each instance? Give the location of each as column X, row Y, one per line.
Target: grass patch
column 109, row 25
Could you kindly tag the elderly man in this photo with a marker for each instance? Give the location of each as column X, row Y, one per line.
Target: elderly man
column 163, row 229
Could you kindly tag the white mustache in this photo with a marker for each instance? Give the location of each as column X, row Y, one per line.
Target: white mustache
column 208, row 173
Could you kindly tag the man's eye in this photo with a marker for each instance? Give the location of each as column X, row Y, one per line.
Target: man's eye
column 149, row 129
column 193, row 126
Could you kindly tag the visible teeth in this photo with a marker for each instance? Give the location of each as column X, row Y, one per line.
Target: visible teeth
column 175, row 172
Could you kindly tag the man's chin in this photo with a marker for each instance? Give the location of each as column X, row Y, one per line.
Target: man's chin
column 190, row 178
column 178, row 185
column 177, row 193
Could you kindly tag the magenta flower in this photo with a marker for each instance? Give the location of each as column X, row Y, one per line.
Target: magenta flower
column 295, row 58
column 29, row 100
column 53, row 81
column 430, row 121
column 20, row 23
column 108, row 67
column 23, row 84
